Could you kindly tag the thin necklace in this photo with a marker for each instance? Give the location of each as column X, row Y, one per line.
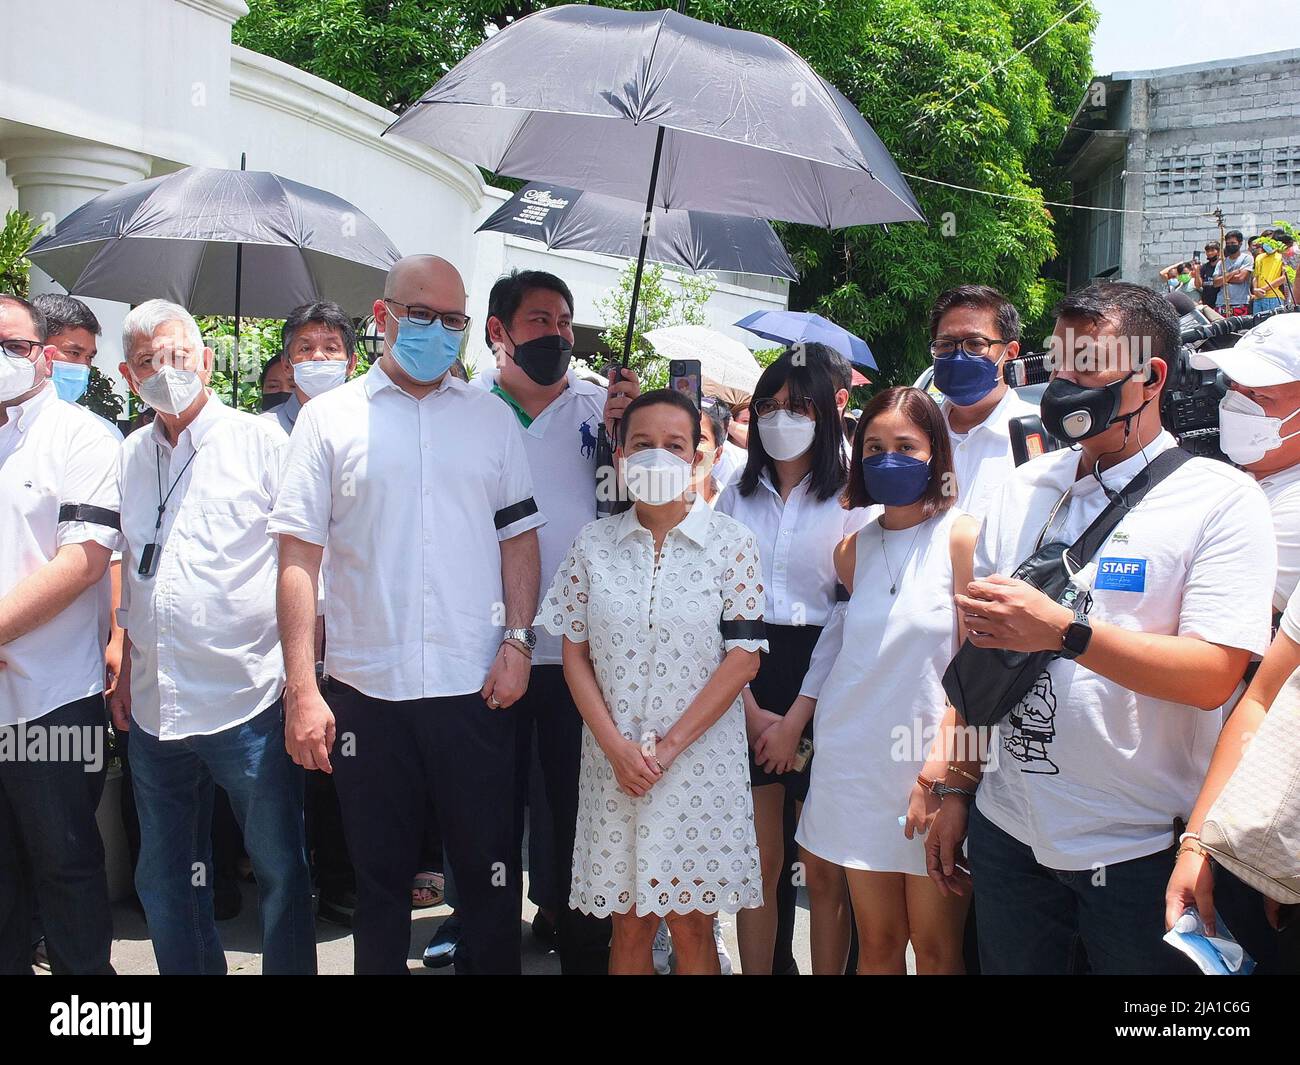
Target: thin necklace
column 893, row 580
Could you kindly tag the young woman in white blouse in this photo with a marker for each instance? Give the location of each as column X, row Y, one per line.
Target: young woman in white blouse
column 788, row 495
column 661, row 609
column 882, row 710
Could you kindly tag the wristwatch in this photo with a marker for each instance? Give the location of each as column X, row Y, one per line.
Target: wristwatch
column 525, row 636
column 1077, row 636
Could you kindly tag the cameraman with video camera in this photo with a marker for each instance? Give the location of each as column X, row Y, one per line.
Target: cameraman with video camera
column 1075, row 828
column 1259, row 428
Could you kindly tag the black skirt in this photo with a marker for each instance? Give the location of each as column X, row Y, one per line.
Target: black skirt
column 780, row 674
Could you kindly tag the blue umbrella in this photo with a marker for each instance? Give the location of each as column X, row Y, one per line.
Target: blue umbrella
column 801, row 327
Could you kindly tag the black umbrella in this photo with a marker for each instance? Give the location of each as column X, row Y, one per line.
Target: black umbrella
column 587, row 221
column 220, row 242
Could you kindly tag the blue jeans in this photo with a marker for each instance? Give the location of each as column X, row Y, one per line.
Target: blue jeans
column 1266, row 303
column 174, row 781
column 1032, row 919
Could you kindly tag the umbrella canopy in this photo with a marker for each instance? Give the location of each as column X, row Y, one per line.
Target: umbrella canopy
column 578, row 95
column 587, row 221
column 801, row 327
column 175, row 238
column 728, row 369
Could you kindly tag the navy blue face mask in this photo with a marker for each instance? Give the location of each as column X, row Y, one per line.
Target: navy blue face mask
column 894, row 479
column 965, row 379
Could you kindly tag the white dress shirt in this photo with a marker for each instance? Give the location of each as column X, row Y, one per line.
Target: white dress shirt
column 796, row 540
column 412, row 498
column 1283, row 492
column 1088, row 771
column 53, row 455
column 205, row 646
column 981, row 458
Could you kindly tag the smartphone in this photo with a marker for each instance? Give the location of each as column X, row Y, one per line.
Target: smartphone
column 802, row 754
column 684, row 377
column 1196, row 256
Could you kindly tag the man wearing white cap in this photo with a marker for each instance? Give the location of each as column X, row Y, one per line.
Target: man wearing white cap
column 1259, row 428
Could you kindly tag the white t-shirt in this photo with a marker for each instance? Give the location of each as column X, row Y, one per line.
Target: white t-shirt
column 1088, row 771
column 561, row 447
column 1291, row 617
column 53, row 454
column 1283, row 492
column 728, row 468
column 981, row 458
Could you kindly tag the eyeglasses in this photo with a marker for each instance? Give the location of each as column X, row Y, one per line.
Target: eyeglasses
column 20, row 349
column 770, row 406
column 452, row 321
column 972, row 345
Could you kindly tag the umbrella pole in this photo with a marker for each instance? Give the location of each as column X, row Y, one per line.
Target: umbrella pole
column 645, row 240
column 234, row 374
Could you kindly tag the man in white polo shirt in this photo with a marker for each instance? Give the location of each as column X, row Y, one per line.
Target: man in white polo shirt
column 58, row 528
column 202, row 673
column 1074, row 829
column 318, row 347
column 1259, row 428
column 974, row 330
column 418, row 485
column 530, row 330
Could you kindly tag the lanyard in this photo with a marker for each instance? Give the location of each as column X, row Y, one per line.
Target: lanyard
column 162, row 499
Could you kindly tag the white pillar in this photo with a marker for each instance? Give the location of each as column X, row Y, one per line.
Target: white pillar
column 53, row 176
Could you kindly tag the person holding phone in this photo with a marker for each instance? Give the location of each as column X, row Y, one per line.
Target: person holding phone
column 661, row 611
column 881, row 716
column 788, row 496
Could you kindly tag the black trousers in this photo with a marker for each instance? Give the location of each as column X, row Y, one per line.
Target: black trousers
column 547, row 712
column 50, row 850
column 393, row 761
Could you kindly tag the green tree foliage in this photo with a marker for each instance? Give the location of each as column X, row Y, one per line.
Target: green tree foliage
column 259, row 340
column 664, row 300
column 17, row 235
column 928, row 74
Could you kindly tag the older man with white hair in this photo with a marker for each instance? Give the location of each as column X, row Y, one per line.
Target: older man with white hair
column 203, row 673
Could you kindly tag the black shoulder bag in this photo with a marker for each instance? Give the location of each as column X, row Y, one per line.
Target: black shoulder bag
column 984, row 684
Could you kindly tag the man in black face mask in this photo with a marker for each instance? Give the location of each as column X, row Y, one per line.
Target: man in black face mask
column 1073, row 828
column 1238, row 264
column 530, row 330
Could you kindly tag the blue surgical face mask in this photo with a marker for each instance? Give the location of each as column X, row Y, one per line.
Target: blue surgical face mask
column 894, row 479
column 965, row 379
column 425, row 352
column 71, row 379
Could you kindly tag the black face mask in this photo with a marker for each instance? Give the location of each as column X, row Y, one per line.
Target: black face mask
column 1071, row 412
column 1232, row 249
column 275, row 399
column 545, row 359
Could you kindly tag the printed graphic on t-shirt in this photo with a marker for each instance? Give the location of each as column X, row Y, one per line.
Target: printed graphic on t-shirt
column 588, row 439
column 1033, row 727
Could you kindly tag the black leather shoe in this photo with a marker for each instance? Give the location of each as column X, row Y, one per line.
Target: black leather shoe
column 441, row 950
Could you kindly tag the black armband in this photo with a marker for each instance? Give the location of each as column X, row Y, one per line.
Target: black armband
column 743, row 629
column 94, row 515
column 515, row 512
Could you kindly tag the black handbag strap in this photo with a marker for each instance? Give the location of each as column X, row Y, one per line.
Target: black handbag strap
column 1155, row 471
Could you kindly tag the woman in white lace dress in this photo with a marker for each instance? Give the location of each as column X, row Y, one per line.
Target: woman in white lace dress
column 661, row 611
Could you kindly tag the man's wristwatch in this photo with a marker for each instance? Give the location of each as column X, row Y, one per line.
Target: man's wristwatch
column 524, row 639
column 1078, row 635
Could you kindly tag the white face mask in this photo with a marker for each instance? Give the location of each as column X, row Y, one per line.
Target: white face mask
column 1246, row 432
column 16, row 377
column 170, row 391
column 786, row 435
column 656, row 476
column 315, row 378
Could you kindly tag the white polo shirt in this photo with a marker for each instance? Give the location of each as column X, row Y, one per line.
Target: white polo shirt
column 53, row 455
column 412, row 498
column 982, row 458
column 561, row 447
column 1087, row 771
column 796, row 546
column 1283, row 492
column 205, row 645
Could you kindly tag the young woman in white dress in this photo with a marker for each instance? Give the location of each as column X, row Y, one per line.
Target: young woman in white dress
column 882, row 722
column 661, row 609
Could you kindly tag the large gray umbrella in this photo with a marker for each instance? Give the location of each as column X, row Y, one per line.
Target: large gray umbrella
column 587, row 221
column 186, row 237
column 729, row 121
